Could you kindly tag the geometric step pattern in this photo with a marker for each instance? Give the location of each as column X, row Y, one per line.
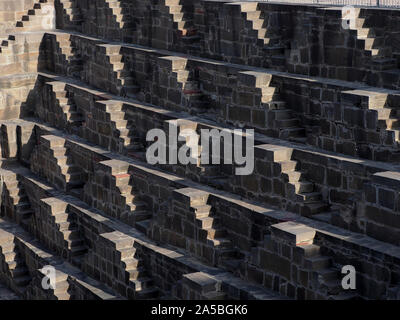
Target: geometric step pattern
column 124, row 84
column 117, row 10
column 388, row 116
column 117, row 198
column 128, row 267
column 255, row 17
column 193, row 100
column 70, row 61
column 127, row 143
column 17, row 205
column 323, row 276
column 280, row 120
column 60, row 224
column 186, row 139
column 208, row 228
column 51, row 160
column 183, row 20
column 301, row 191
column 34, row 19
column 374, row 44
column 13, row 264
column 72, row 14
column 68, row 115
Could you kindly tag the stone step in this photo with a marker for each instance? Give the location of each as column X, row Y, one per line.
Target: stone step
column 308, row 250
column 317, row 263
column 202, row 210
column 66, row 225
column 293, row 176
column 381, row 64
column 389, row 124
column 172, row 2
column 77, row 251
column 141, row 215
column 309, row 197
column 137, row 273
column 131, row 263
column 59, row 218
column 248, row 6
column 175, row 8
column 126, row 253
column 220, row 242
column 253, row 16
column 386, row 113
column 216, row 233
column 143, row 283
column 311, row 208
column 206, row 222
column 72, row 235
column 61, row 287
column 59, row 152
column 287, row 165
column 302, row 187
column 136, row 205
column 10, row 256
column 20, row 199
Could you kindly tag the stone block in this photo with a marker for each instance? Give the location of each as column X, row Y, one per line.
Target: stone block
column 294, row 233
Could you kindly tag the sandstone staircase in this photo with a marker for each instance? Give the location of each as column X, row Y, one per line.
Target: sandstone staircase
column 206, row 173
column 388, row 115
column 193, row 101
column 304, row 191
column 183, row 18
column 129, row 143
column 63, row 98
column 280, row 120
column 256, row 22
column 374, row 44
column 14, row 263
column 210, row 230
column 299, row 191
column 52, row 160
column 120, row 199
column 72, row 14
column 322, row 274
column 135, row 208
column 118, row 10
column 20, row 200
column 35, row 18
column 61, row 286
column 69, row 55
column 326, row 276
column 6, row 46
column 124, row 84
column 134, row 271
column 63, row 223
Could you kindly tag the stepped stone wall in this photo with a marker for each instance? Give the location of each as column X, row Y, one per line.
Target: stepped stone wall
column 79, row 95
column 12, row 11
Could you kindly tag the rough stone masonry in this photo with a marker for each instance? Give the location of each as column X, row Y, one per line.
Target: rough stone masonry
column 80, row 92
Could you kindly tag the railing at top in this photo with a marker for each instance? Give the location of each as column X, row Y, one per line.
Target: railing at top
column 369, row 3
